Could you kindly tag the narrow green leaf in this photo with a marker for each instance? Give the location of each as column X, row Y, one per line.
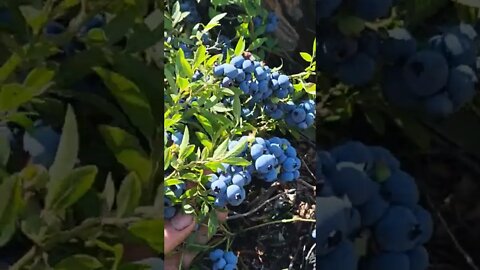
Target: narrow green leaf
column 79, row 262
column 214, row 22
column 70, row 189
column 10, row 207
column 182, row 66
column 200, row 56
column 129, row 195
column 151, row 231
column 221, row 150
column 240, row 48
column 185, row 142
column 108, row 193
column 306, row 56
column 67, row 151
column 127, row 151
column 131, row 99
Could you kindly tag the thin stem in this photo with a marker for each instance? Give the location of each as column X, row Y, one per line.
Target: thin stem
column 22, row 262
column 279, row 222
column 255, row 209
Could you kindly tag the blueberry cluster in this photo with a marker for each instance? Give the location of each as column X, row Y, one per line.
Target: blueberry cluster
column 439, row 79
column 226, row 260
column 41, row 144
column 368, row 10
column 272, row 160
column 177, row 191
column 366, row 191
column 271, row 23
column 190, row 6
column 262, row 88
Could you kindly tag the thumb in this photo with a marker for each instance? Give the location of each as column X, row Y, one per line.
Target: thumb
column 177, row 230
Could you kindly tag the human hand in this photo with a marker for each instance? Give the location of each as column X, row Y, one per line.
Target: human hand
column 176, row 231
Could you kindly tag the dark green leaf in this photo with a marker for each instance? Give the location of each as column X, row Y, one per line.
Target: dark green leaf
column 79, row 262
column 129, row 195
column 151, row 231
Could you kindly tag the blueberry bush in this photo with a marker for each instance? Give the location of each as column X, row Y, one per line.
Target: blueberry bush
column 397, row 105
column 236, row 128
column 80, row 140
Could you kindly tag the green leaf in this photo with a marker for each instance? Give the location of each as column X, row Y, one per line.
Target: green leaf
column 117, row 28
column 151, row 231
column 182, row 66
column 237, row 161
column 468, row 3
column 237, row 109
column 79, row 262
column 4, row 147
column 70, row 189
column 67, row 151
column 240, row 48
column 127, row 151
column 212, row 224
column 108, row 193
column 200, row 56
column 221, row 150
column 306, row 56
column 129, row 195
column 14, row 95
column 214, row 22
column 351, row 25
column 185, row 142
column 39, row 78
column 238, row 149
column 132, row 101
column 11, row 205
column 206, row 124
column 256, row 44
column 36, row 18
column 9, row 66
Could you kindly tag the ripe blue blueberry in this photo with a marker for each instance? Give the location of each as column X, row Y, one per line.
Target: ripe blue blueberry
column 260, row 73
column 439, row 105
column 235, row 195
column 240, row 76
column 461, row 85
column 289, row 165
column 425, row 221
column 342, row 258
column 371, row 10
column 270, row 176
column 398, row 46
column 237, row 61
column 354, row 183
column 220, row 264
column 400, row 188
column 230, row 267
column 426, row 72
column 257, row 150
column 220, row 201
column 219, row 187
column 230, row 71
column 216, row 254
column 398, row 230
column 457, row 48
column 332, row 215
column 42, row 145
column 419, row 259
column 169, row 212
column 230, row 257
column 265, row 163
column 373, row 209
column 358, row 70
column 283, row 80
column 247, row 66
column 286, row 176
column 218, row 70
column 352, row 151
column 226, row 82
column 390, row 261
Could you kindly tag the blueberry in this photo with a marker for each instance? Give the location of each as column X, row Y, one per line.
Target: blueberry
column 169, row 212
column 218, row 70
column 226, row 178
column 289, row 164
column 286, row 176
column 247, row 66
column 355, row 222
column 283, row 80
column 371, row 10
column 352, row 151
column 419, row 259
column 230, row 257
column 235, row 195
column 216, row 254
column 298, row 115
column 263, row 86
column 439, row 105
column 238, row 179
column 197, row 75
column 42, row 145
column 373, row 210
column 332, row 215
column 226, row 82
column 260, row 73
column 426, row 72
column 230, row 267
column 219, row 187
column 398, row 46
column 457, row 48
column 257, row 150
column 461, row 85
column 426, row 224
column 220, row 264
column 385, row 157
column 400, row 188
column 240, row 76
column 220, row 201
column 271, row 176
column 397, row 230
column 237, row 61
column 54, row 28
column 281, row 93
column 230, row 71
column 342, row 258
column 253, row 86
column 354, row 183
column 390, row 261
column 265, row 163
column 290, row 152
column 358, row 70
column 309, row 119
column 274, row 84
column 326, row 8
column 395, row 89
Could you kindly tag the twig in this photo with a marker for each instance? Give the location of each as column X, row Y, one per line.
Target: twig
column 20, row 264
column 281, row 221
column 457, row 244
column 255, row 209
